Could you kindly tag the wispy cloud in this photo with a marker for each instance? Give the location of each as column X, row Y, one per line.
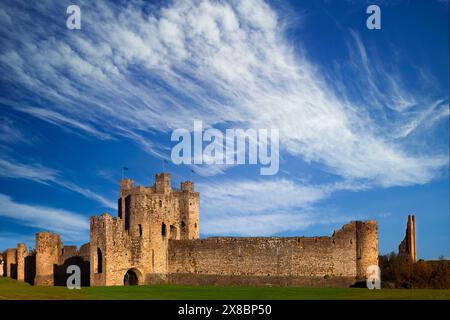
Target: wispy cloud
column 37, row 173
column 9, row 133
column 44, row 175
column 137, row 69
column 131, row 72
column 248, row 207
column 62, row 121
column 71, row 225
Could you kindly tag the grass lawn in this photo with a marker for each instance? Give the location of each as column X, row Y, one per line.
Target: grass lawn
column 12, row 289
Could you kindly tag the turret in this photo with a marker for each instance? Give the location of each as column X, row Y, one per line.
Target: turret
column 162, row 183
column 48, row 252
column 187, row 186
column 366, row 247
column 11, row 263
column 190, row 228
column 126, row 185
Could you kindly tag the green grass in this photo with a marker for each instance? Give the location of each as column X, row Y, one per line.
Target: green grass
column 12, row 289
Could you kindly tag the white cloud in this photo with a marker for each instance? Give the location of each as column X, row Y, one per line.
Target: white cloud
column 246, row 195
column 35, row 173
column 216, row 61
column 71, row 225
column 44, row 175
column 9, row 133
column 132, row 72
column 248, row 207
column 269, row 224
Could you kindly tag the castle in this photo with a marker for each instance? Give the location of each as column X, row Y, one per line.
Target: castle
column 155, row 238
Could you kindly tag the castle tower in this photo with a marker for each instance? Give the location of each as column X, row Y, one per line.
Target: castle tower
column 22, row 253
column 191, row 210
column 11, row 263
column 108, row 250
column 162, row 183
column 126, row 187
column 48, row 253
column 366, row 247
column 407, row 248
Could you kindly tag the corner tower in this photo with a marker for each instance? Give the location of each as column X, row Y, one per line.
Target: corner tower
column 48, row 253
column 366, row 247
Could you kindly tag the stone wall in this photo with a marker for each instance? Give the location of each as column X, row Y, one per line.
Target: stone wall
column 322, row 261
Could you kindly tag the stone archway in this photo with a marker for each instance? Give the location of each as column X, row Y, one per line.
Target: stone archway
column 132, row 277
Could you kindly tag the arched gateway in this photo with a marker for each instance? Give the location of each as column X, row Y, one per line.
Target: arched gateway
column 132, row 277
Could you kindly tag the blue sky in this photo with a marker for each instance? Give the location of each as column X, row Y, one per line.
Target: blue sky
column 363, row 114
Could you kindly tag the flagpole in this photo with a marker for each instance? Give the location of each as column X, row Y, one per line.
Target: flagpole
column 123, row 171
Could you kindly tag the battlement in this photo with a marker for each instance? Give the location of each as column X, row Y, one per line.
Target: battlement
column 187, row 186
column 319, row 261
column 163, row 183
column 126, row 185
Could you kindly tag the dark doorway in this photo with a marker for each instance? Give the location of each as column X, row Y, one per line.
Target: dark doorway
column 127, row 212
column 130, row 279
column 60, row 274
column 30, row 268
column 163, row 229
column 99, row 261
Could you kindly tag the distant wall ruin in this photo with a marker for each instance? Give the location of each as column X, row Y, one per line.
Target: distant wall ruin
column 407, row 248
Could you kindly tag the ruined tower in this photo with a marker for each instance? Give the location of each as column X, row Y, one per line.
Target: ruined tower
column 48, row 253
column 366, row 246
column 22, row 253
column 11, row 263
column 407, row 248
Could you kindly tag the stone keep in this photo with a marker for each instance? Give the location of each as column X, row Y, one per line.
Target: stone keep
column 137, row 240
